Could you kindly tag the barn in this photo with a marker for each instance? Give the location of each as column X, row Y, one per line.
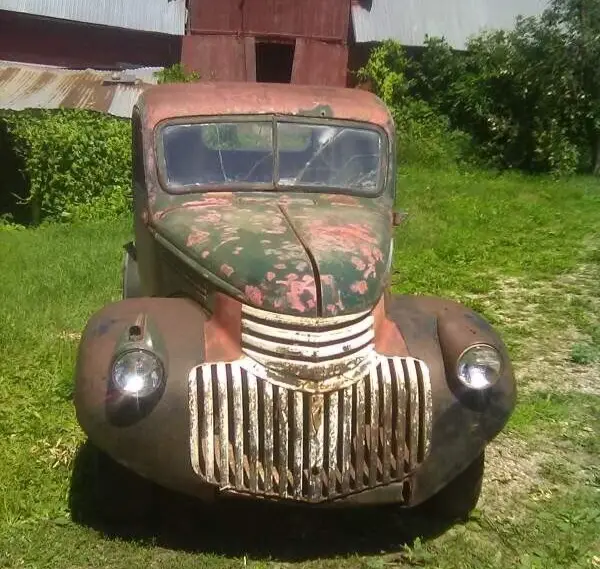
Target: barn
column 317, row 41
column 304, row 41
column 297, row 41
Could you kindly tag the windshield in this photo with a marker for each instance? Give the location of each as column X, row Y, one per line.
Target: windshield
column 273, row 154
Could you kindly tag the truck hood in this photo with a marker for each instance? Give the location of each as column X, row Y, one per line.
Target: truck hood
column 323, row 256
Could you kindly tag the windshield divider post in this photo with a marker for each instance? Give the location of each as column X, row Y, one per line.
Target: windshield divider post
column 275, row 154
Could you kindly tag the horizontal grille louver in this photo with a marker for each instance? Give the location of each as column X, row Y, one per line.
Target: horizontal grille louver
column 251, row 436
column 310, row 348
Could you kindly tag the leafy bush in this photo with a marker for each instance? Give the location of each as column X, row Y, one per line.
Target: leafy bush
column 424, row 135
column 176, row 74
column 528, row 98
column 74, row 164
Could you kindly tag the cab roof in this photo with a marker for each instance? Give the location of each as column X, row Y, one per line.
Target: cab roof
column 178, row 100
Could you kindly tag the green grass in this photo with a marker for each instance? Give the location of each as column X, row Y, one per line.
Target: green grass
column 466, row 231
column 466, row 235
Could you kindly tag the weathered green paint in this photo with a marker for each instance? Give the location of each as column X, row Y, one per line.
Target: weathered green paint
column 320, row 254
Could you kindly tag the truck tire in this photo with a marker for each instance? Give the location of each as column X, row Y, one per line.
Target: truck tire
column 458, row 498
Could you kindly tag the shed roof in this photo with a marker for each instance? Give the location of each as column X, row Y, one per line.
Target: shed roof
column 409, row 21
column 25, row 86
column 163, row 16
column 215, row 98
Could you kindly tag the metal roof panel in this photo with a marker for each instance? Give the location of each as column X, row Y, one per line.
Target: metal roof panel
column 163, row 16
column 409, row 21
column 38, row 87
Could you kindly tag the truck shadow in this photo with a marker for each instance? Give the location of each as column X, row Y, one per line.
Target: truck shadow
column 238, row 528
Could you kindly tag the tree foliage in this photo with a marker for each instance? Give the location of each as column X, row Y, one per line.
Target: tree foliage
column 69, row 164
column 176, row 74
column 424, row 135
column 528, row 98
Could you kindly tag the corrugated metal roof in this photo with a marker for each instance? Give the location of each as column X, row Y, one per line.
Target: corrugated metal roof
column 33, row 86
column 164, row 16
column 409, row 21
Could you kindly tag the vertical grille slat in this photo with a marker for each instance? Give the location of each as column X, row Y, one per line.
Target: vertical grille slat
column 208, row 437
column 223, row 423
column 282, row 429
column 346, row 438
column 297, row 443
column 332, row 442
column 373, row 426
column 400, row 432
column 238, row 426
column 413, row 420
column 316, row 446
column 425, row 407
column 360, row 435
column 386, row 395
column 252, row 432
column 268, row 436
column 254, row 437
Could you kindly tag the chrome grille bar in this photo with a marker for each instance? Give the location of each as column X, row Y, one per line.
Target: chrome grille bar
column 252, row 423
column 332, row 402
column 282, row 429
column 268, row 436
column 223, row 425
column 297, row 440
column 238, row 426
column 252, row 437
column 346, row 439
column 312, row 347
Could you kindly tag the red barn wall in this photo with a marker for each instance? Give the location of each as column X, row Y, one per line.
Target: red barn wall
column 221, row 38
column 46, row 41
column 219, row 57
column 222, row 17
column 320, row 63
column 319, row 19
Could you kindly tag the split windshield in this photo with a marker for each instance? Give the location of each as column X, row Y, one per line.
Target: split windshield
column 271, row 154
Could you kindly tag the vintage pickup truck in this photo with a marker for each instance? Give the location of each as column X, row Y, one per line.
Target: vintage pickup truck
column 258, row 350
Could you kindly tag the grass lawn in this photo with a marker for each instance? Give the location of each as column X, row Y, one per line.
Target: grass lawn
column 524, row 252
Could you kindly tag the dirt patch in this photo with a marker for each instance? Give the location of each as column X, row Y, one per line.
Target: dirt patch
column 512, row 473
column 546, row 319
column 519, row 472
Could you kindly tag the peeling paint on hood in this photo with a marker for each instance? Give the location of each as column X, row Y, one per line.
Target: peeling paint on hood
column 319, row 256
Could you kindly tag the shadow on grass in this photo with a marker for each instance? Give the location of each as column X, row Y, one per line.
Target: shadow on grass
column 234, row 528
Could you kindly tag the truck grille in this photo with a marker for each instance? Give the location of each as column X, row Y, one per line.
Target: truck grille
column 311, row 348
column 251, row 436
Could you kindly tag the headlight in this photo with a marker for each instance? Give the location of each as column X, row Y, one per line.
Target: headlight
column 138, row 373
column 479, row 366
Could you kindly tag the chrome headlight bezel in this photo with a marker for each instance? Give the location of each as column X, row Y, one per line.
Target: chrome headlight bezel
column 492, row 368
column 150, row 385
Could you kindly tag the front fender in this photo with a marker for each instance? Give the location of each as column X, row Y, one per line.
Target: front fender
column 464, row 421
column 148, row 440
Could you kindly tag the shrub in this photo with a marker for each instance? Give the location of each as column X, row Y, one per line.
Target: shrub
column 528, row 98
column 424, row 135
column 74, row 163
column 176, row 74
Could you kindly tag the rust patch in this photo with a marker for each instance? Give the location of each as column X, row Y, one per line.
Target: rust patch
column 206, row 202
column 360, row 287
column 254, row 295
column 222, row 97
column 301, row 292
column 222, row 333
column 388, row 339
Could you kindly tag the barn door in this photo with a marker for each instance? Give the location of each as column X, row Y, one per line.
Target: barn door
column 320, row 63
